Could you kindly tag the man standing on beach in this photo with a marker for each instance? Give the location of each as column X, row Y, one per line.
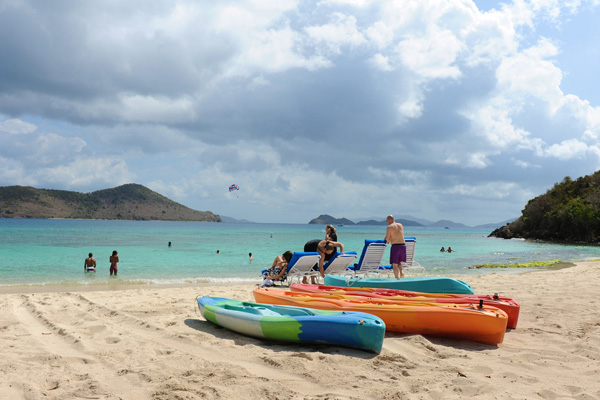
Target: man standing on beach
column 395, row 235
column 89, row 265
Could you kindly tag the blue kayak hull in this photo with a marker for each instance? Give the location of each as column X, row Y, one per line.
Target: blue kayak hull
column 426, row 284
column 295, row 324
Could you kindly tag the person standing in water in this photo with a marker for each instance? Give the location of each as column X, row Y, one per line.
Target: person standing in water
column 114, row 259
column 89, row 265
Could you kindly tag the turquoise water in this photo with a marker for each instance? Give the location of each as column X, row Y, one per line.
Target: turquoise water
column 34, row 252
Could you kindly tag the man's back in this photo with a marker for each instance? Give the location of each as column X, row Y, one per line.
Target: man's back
column 395, row 233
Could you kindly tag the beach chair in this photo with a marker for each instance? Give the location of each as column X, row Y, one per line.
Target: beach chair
column 339, row 263
column 411, row 266
column 370, row 258
column 301, row 265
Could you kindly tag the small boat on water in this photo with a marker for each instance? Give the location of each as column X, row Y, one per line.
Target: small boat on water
column 295, row 324
column 507, row 304
column 427, row 284
column 478, row 323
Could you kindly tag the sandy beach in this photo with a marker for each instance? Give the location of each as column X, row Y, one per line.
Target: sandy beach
column 151, row 343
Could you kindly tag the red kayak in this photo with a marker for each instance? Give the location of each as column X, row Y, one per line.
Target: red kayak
column 508, row 305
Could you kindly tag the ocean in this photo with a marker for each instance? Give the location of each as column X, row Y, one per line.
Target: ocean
column 52, row 252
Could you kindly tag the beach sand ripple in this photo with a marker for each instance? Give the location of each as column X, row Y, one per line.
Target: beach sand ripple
column 151, row 343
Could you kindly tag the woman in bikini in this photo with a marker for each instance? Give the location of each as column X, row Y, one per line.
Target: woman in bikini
column 114, row 259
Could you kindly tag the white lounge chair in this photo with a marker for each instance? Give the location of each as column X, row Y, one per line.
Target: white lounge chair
column 370, row 258
column 301, row 265
column 411, row 265
column 339, row 263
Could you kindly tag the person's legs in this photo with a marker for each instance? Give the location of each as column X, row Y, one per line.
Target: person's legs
column 402, row 259
column 397, row 257
column 396, row 269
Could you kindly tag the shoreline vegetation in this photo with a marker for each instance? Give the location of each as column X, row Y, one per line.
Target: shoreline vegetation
column 567, row 213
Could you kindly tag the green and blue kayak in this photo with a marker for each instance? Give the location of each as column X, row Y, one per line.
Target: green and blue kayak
column 426, row 284
column 295, row 324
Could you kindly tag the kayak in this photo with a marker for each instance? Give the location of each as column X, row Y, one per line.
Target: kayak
column 478, row 323
column 507, row 304
column 427, row 284
column 295, row 324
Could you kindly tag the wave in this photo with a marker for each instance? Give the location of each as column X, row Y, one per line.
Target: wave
column 91, row 284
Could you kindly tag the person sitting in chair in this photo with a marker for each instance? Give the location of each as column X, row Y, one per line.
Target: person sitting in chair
column 279, row 268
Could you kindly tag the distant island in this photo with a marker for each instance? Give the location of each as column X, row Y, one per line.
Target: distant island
column 569, row 212
column 126, row 202
column 325, row 219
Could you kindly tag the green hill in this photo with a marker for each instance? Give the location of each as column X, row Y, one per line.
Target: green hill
column 569, row 212
column 325, row 219
column 127, row 202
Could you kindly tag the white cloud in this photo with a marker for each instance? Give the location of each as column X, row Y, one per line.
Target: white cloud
column 468, row 160
column 524, row 164
column 134, row 107
column 529, row 74
column 496, row 190
column 567, row 149
column 16, row 127
column 86, row 172
column 431, row 56
column 490, row 37
column 52, row 149
column 279, row 48
column 341, row 31
column 12, row 170
column 381, row 62
column 380, row 35
column 354, row 3
column 412, row 106
column 495, row 124
column 581, row 110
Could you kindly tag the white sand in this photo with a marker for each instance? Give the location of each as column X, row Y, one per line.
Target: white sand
column 150, row 343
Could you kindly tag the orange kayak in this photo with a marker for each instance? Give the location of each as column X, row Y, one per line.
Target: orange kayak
column 485, row 324
column 508, row 305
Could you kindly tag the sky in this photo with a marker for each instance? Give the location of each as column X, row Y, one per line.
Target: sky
column 459, row 109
